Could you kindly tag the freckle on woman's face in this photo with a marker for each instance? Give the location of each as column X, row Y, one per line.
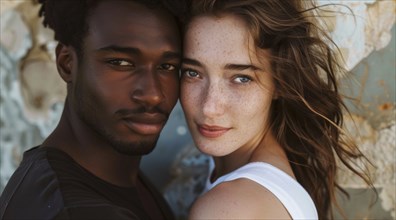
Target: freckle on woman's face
column 226, row 92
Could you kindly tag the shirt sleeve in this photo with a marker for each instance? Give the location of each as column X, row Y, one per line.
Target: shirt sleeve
column 96, row 212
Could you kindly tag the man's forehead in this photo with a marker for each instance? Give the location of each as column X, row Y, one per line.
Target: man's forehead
column 140, row 12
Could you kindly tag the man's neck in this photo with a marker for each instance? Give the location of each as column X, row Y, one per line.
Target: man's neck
column 73, row 137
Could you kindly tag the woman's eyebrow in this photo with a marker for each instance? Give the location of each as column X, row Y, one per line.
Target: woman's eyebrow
column 192, row 62
column 240, row 67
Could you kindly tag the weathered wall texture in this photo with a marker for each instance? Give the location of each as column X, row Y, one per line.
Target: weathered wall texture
column 368, row 48
column 32, row 96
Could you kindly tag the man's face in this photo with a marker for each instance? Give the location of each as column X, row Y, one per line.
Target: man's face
column 126, row 84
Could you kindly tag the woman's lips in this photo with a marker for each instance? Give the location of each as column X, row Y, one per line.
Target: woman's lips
column 212, row 131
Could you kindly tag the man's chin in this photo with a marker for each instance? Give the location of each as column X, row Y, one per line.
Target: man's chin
column 135, row 148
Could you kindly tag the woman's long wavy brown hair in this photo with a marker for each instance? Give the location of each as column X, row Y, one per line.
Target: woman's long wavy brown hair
column 307, row 116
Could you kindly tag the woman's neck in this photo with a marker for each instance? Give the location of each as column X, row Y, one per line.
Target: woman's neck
column 268, row 150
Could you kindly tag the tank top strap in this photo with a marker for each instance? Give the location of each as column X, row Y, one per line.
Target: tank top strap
column 289, row 192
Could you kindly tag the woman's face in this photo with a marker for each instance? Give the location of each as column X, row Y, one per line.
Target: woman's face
column 226, row 92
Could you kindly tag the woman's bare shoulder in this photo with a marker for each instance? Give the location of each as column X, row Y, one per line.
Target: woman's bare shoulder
column 240, row 198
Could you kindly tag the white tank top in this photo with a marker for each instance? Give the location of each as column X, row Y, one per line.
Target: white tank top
column 289, row 192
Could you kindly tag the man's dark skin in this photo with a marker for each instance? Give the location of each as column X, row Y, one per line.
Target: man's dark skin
column 120, row 92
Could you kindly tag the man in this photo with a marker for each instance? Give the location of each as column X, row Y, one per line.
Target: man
column 120, row 61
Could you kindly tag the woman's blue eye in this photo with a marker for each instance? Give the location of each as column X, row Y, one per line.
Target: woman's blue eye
column 191, row 73
column 242, row 79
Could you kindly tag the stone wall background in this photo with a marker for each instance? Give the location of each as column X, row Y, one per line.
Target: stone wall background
column 32, row 96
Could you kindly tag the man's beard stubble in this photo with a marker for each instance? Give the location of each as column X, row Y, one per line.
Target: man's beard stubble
column 87, row 113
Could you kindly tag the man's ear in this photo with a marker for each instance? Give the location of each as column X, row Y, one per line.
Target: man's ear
column 65, row 58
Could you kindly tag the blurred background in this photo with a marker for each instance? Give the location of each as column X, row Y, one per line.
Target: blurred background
column 32, row 96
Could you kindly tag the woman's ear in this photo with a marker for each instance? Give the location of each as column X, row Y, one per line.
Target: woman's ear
column 275, row 95
column 275, row 92
column 64, row 61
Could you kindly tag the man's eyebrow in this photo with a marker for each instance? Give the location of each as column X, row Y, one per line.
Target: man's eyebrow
column 133, row 50
column 240, row 67
column 119, row 49
column 171, row 55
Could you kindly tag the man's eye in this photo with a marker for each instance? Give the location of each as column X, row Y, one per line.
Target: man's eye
column 167, row 66
column 120, row 62
column 190, row 73
column 242, row 79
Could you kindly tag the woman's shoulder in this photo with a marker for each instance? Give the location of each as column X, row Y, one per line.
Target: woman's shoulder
column 239, row 198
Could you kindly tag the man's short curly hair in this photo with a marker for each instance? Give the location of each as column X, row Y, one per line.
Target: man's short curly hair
column 68, row 18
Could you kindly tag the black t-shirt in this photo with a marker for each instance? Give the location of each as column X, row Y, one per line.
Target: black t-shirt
column 49, row 184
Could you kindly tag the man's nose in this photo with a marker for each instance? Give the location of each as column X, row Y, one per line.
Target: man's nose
column 147, row 89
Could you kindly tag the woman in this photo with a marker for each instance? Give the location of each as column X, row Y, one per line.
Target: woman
column 260, row 96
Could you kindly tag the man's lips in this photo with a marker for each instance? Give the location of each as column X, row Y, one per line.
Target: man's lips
column 145, row 123
column 211, row 131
